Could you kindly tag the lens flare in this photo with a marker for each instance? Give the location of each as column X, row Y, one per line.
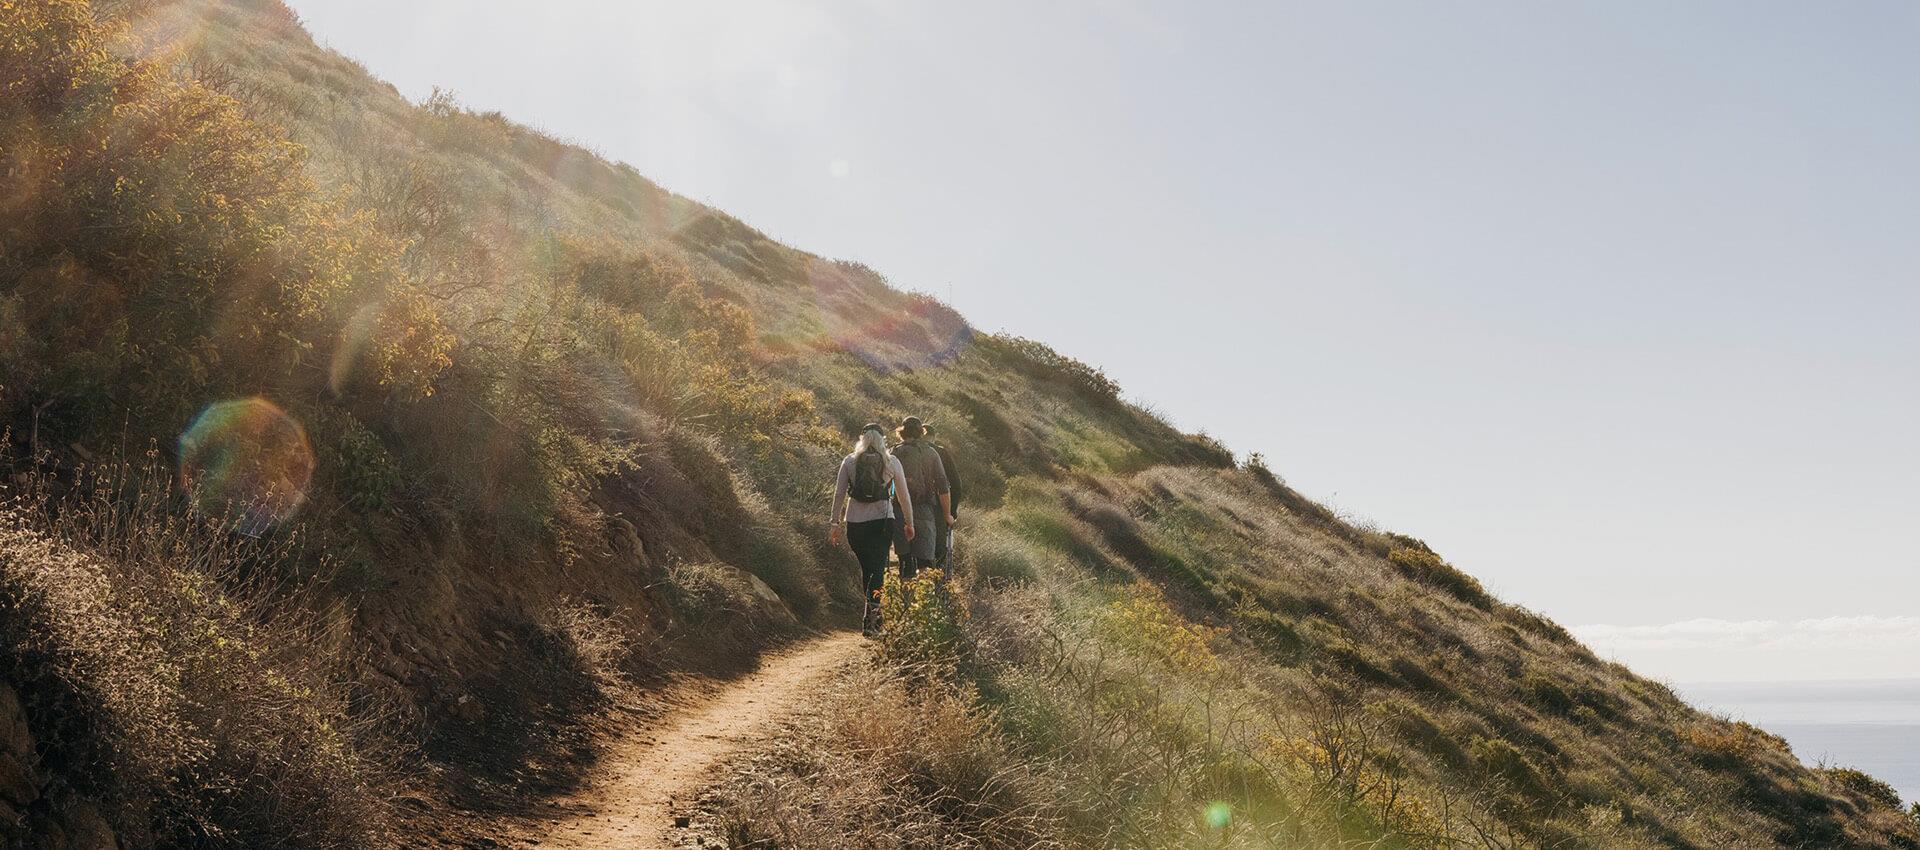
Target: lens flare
column 249, row 459
column 1219, row 814
column 853, row 313
column 353, row 341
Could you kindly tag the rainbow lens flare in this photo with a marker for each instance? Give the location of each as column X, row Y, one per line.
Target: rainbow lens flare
column 249, row 459
column 919, row 333
column 1219, row 815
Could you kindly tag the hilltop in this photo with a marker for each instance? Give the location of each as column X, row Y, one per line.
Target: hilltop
column 373, row 463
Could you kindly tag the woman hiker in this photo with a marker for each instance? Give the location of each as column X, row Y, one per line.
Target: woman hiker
column 862, row 493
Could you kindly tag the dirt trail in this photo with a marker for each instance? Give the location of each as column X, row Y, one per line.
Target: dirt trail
column 655, row 772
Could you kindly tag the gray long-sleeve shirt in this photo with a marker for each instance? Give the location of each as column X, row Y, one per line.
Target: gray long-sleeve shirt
column 847, row 510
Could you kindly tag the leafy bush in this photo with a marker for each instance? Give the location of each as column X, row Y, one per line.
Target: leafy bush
column 1423, row 566
column 167, row 247
column 1042, row 361
column 1506, row 767
column 1546, row 693
column 922, row 620
column 369, row 478
column 1142, row 621
column 1861, row 784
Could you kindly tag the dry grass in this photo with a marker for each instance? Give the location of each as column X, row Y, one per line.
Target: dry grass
column 178, row 677
column 1196, row 663
column 886, row 763
column 600, row 642
column 1353, row 698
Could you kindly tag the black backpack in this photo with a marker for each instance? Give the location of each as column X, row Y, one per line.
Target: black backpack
column 869, row 482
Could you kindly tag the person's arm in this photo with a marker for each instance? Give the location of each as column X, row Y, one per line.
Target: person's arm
column 899, row 474
column 940, row 474
column 946, row 490
column 953, row 478
column 837, row 519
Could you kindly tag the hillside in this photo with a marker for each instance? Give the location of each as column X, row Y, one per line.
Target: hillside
column 371, row 462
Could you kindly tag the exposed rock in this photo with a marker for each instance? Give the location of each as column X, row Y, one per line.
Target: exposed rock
column 14, row 736
column 18, row 785
column 762, row 589
column 767, row 602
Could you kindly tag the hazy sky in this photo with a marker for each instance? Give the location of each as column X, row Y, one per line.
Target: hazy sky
column 1614, row 303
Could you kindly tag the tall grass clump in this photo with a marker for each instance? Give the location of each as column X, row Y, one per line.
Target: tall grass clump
column 176, row 673
column 889, row 763
column 998, row 557
column 599, row 641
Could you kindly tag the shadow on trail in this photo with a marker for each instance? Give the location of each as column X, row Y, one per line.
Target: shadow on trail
column 537, row 719
column 526, row 731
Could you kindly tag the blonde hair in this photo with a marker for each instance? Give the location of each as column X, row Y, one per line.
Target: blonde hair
column 872, row 439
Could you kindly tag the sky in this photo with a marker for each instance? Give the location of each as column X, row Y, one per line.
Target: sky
column 1612, row 302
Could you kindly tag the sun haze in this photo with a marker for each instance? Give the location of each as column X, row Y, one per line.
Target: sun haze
column 1611, row 303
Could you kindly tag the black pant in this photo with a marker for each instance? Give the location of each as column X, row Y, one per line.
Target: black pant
column 870, row 540
column 902, row 549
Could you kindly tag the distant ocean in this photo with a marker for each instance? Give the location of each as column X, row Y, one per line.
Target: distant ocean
column 1872, row 725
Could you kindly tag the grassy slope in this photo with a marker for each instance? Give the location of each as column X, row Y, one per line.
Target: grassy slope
column 1142, row 601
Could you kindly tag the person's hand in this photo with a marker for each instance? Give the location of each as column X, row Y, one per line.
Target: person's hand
column 953, row 521
column 834, row 533
column 908, row 528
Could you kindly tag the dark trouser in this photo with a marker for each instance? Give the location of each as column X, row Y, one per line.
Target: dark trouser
column 921, row 551
column 902, row 550
column 869, row 541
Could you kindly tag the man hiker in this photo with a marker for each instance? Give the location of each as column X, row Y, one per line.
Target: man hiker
column 943, row 544
column 929, row 493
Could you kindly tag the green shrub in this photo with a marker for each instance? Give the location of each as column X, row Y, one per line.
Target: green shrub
column 1042, row 361
column 1143, row 622
column 1415, row 675
column 1860, row 784
column 923, row 621
column 369, row 478
column 1536, row 624
column 1425, row 567
column 1273, row 632
column 1546, row 693
column 1419, row 728
column 1505, row 767
column 174, row 249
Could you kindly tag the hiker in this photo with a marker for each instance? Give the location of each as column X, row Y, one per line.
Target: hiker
column 927, row 501
column 861, row 499
column 943, row 544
